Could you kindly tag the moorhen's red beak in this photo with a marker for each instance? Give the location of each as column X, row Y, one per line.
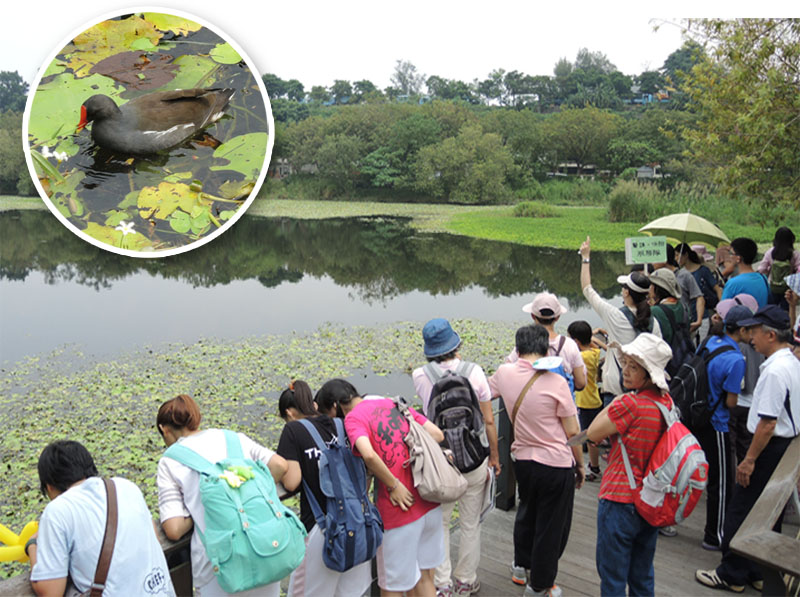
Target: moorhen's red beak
column 83, row 121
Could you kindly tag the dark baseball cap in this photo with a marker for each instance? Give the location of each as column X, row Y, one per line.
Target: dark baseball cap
column 736, row 315
column 770, row 315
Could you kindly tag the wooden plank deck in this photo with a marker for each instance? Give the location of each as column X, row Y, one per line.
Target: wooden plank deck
column 676, row 559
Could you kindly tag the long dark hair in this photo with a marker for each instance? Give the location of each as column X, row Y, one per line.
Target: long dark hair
column 641, row 321
column 783, row 244
column 297, row 395
column 335, row 392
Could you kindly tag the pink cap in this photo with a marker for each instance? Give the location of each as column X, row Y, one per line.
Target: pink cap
column 546, row 302
column 746, row 300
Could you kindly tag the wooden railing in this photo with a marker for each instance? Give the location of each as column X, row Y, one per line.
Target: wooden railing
column 755, row 540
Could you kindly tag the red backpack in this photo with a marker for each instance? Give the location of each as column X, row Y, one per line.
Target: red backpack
column 675, row 477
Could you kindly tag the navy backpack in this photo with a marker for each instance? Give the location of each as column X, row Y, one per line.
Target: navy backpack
column 351, row 524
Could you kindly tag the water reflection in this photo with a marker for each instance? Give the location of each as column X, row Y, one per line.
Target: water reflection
column 266, row 276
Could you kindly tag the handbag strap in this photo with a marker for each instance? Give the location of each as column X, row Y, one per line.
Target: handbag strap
column 109, row 537
column 522, row 394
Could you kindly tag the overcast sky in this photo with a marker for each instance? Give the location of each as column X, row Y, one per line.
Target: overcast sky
column 317, row 42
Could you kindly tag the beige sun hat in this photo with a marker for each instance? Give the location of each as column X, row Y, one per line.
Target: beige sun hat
column 651, row 352
column 664, row 278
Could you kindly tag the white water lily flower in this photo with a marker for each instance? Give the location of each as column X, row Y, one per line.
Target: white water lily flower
column 59, row 155
column 126, row 228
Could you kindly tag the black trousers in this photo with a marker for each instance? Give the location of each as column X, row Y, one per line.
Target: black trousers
column 721, row 477
column 740, row 436
column 735, row 569
column 544, row 517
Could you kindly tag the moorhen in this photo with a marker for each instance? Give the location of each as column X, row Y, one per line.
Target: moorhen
column 154, row 121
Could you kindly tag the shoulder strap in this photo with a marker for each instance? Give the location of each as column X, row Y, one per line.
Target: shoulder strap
column 522, row 395
column 465, row 368
column 109, row 537
column 432, row 371
column 632, row 320
column 561, row 341
column 312, row 431
column 766, row 282
column 234, row 446
column 341, row 433
column 188, row 457
column 670, row 416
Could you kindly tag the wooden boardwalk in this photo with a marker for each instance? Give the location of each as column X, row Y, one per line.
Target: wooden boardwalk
column 676, row 559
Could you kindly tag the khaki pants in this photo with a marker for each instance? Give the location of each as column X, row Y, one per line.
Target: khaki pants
column 469, row 547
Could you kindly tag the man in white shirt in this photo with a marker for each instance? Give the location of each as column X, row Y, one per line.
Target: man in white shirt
column 774, row 420
column 73, row 525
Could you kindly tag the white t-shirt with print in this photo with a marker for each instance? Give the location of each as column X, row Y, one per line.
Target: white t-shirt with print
column 179, row 489
column 71, row 533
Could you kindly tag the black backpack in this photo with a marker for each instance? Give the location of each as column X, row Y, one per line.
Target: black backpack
column 681, row 344
column 454, row 408
column 689, row 388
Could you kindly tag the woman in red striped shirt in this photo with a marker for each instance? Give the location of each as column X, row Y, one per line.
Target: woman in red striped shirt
column 626, row 543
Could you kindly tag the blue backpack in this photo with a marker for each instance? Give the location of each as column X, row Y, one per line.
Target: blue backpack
column 251, row 538
column 351, row 524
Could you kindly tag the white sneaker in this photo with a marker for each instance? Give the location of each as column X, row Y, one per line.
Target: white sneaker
column 518, row 574
column 554, row 591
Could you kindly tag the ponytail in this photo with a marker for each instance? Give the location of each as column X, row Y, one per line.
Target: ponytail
column 297, row 395
column 642, row 320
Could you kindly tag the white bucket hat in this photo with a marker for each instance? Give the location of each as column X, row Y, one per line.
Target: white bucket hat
column 651, row 352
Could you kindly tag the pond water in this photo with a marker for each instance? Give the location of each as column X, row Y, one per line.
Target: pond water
column 267, row 276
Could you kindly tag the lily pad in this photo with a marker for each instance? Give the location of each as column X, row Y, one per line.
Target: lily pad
column 194, row 71
column 244, row 154
column 143, row 44
column 65, row 197
column 131, row 200
column 136, row 71
column 116, row 216
column 116, row 238
column 231, row 189
column 177, row 25
column 225, row 54
column 180, row 222
column 108, row 38
column 160, row 202
column 56, row 105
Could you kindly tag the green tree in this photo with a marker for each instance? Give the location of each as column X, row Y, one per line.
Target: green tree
column 582, row 135
column 14, row 176
column 337, row 160
column 746, row 93
column 492, row 87
column 363, row 88
column 276, row 87
column 319, row 94
column 630, row 154
column 13, row 91
column 650, row 81
column 471, row 167
column 295, row 90
column 680, row 62
column 341, row 91
column 593, row 61
column 405, row 79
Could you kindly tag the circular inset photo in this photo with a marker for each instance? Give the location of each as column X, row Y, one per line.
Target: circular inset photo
column 148, row 134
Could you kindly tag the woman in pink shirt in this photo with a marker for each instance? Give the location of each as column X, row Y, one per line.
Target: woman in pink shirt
column 544, row 417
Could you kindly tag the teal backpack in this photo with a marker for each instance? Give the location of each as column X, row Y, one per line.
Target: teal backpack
column 251, row 538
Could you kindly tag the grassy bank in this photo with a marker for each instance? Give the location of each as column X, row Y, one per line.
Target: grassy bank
column 8, row 202
column 565, row 230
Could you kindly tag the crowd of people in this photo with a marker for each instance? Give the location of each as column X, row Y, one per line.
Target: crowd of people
column 607, row 386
